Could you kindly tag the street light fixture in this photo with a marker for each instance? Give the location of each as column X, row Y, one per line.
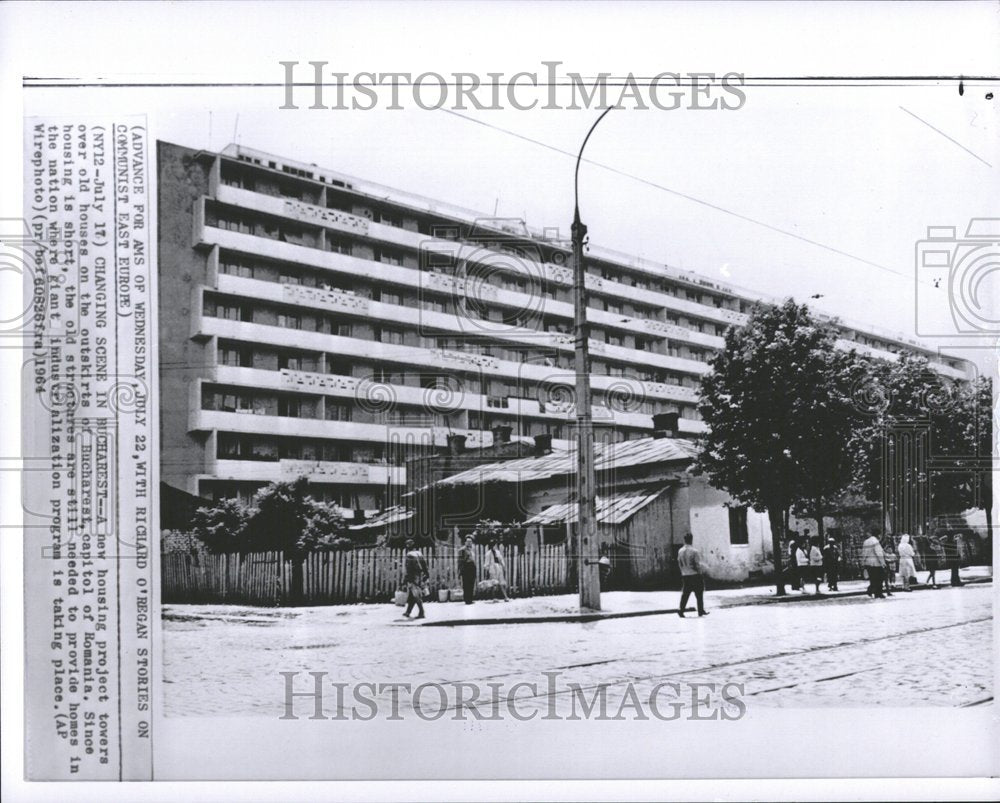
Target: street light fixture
column 586, row 539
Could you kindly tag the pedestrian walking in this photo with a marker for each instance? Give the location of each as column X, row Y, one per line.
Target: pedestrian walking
column 689, row 560
column 802, row 562
column 793, row 565
column 891, row 562
column 496, row 569
column 935, row 558
column 952, row 556
column 831, row 564
column 816, row 562
column 873, row 560
column 415, row 567
column 467, row 569
column 907, row 568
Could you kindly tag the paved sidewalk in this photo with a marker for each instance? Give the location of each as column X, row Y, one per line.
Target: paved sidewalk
column 624, row 604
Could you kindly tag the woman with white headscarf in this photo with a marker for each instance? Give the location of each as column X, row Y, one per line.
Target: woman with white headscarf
column 907, row 568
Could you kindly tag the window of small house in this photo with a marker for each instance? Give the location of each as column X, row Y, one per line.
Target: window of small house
column 738, row 533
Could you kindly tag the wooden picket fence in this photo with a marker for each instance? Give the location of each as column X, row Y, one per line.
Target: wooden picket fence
column 332, row 578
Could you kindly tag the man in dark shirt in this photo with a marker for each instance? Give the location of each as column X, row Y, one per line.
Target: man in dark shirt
column 416, row 575
column 467, row 568
column 831, row 564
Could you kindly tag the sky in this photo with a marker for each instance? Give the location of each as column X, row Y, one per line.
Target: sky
column 807, row 189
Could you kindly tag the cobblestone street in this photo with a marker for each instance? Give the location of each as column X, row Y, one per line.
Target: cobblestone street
column 931, row 647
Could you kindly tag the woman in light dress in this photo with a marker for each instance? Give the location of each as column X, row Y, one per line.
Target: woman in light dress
column 802, row 562
column 907, row 568
column 496, row 569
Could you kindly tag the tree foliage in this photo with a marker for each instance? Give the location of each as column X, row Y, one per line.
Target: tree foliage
column 283, row 517
column 779, row 415
column 921, row 443
column 221, row 528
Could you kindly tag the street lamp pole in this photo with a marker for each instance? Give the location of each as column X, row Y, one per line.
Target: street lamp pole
column 586, row 539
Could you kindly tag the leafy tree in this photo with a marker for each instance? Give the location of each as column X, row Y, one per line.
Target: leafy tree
column 325, row 529
column 979, row 432
column 778, row 416
column 286, row 518
column 221, row 528
column 970, row 448
column 913, row 414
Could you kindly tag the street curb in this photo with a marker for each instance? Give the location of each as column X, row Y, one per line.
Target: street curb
column 557, row 617
column 796, row 597
column 599, row 616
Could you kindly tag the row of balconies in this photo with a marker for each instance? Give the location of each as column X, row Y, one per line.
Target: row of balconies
column 314, row 470
column 450, row 397
column 300, row 211
column 527, row 374
column 409, row 277
column 353, row 306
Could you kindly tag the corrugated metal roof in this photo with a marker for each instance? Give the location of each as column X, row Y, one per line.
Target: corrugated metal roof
column 617, row 455
column 614, row 509
column 387, row 516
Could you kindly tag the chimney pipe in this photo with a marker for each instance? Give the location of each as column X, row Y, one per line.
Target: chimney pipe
column 665, row 425
column 543, row 444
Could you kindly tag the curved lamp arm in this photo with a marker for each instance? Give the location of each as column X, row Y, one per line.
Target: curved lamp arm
column 579, row 156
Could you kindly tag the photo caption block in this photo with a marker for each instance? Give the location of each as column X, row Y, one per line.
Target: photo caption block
column 89, row 444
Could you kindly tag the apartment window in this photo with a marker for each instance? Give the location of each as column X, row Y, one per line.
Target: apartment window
column 394, row 336
column 289, row 407
column 388, row 219
column 289, row 362
column 231, row 224
column 288, row 321
column 614, row 340
column 229, row 446
column 340, row 246
column 389, row 298
column 738, row 533
column 337, row 412
column 431, row 306
column 236, row 356
column 290, row 278
column 388, row 257
column 236, row 268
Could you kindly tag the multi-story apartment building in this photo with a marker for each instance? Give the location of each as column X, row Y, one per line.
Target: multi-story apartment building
column 313, row 323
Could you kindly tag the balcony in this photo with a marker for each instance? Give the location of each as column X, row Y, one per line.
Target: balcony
column 313, row 470
column 355, row 388
column 301, row 212
column 316, row 428
column 445, row 360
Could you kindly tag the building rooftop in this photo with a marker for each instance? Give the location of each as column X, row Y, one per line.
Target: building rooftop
column 642, row 451
column 613, row 509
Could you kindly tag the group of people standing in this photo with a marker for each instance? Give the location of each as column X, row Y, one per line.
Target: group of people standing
column 881, row 562
column 416, row 574
column 811, row 560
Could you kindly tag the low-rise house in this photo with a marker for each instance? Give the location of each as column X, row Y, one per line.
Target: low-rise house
column 647, row 499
